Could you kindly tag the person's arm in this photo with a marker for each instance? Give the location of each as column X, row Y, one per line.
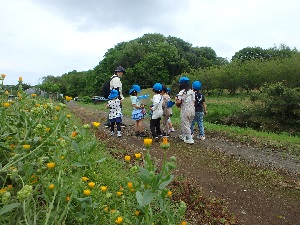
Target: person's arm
column 204, row 108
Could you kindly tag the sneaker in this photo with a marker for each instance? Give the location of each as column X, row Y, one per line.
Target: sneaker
column 119, row 134
column 172, row 129
column 107, row 125
column 189, row 141
column 143, row 134
column 181, row 137
column 156, row 139
column 137, row 134
column 165, row 135
column 123, row 125
column 112, row 133
column 201, row 137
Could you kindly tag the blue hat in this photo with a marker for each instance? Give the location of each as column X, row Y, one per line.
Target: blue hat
column 168, row 90
column 197, row 85
column 184, row 80
column 157, row 87
column 136, row 88
column 113, row 94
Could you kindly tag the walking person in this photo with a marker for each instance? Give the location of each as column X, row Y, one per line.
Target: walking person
column 171, row 128
column 186, row 100
column 200, row 110
column 116, row 84
column 157, row 111
column 115, row 112
column 138, row 112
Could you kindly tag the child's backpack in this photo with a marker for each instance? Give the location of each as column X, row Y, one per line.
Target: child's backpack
column 106, row 87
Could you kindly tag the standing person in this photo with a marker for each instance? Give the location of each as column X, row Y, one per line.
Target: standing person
column 115, row 112
column 200, row 110
column 186, row 100
column 138, row 112
column 166, row 111
column 157, row 111
column 115, row 83
column 171, row 128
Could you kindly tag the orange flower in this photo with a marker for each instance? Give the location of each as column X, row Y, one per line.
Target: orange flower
column 20, row 79
column 169, row 194
column 6, row 104
column 137, row 212
column 138, row 155
column 9, row 186
column 33, row 95
column 147, row 142
column 47, row 129
column 87, row 192
column 183, row 223
column 165, row 143
column 74, row 134
column 51, row 165
column 127, row 158
column 68, row 198
column 3, row 75
column 129, row 185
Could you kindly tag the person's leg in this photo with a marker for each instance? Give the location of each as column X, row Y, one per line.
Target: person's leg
column 165, row 127
column 119, row 129
column 201, row 126
column 112, row 127
column 152, row 128
column 157, row 127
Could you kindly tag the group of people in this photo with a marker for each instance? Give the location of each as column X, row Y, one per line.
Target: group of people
column 190, row 100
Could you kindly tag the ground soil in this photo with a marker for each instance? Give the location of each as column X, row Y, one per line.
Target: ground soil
column 205, row 165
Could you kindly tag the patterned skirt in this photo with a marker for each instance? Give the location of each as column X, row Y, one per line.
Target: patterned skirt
column 138, row 114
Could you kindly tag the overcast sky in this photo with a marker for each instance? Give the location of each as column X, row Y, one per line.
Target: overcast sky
column 53, row 37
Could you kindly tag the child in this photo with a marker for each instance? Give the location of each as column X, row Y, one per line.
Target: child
column 115, row 112
column 157, row 111
column 200, row 110
column 186, row 100
column 166, row 111
column 171, row 128
column 138, row 112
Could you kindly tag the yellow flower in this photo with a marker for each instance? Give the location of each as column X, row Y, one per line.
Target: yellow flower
column 103, row 188
column 51, row 165
column 20, row 79
column 9, row 186
column 68, row 98
column 57, row 108
column 119, row 220
column 127, row 158
column 169, row 194
column 38, row 105
column 3, row 75
column 12, row 146
column 91, row 184
column 129, row 185
column 84, row 179
column 138, row 155
column 137, row 212
column 69, row 116
column 96, row 124
column 74, row 134
column 132, row 190
column 6, row 92
column 51, row 187
column 33, row 179
column 55, row 117
column 87, row 192
column 33, row 95
column 119, row 193
column 26, row 146
column 68, row 198
column 106, row 208
column 47, row 129
column 147, row 142
column 62, row 156
column 6, row 104
column 3, row 190
column 183, row 223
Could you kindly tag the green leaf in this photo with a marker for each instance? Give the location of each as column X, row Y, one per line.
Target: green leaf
column 139, row 198
column 77, row 164
column 148, row 196
column 87, row 200
column 100, row 160
column 9, row 207
column 165, row 183
column 76, row 147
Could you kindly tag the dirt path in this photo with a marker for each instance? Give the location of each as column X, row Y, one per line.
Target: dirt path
column 251, row 203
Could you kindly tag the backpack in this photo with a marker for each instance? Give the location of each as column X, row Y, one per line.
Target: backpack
column 106, row 87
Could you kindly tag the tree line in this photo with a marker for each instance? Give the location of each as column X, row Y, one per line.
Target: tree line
column 155, row 58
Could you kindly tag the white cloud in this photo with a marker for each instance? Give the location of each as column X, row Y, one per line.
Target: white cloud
column 41, row 37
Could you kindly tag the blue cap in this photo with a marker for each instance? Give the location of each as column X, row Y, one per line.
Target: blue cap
column 168, row 90
column 197, row 85
column 184, row 80
column 136, row 88
column 157, row 87
column 113, row 94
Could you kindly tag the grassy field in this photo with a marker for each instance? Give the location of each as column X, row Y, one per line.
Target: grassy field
column 222, row 106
